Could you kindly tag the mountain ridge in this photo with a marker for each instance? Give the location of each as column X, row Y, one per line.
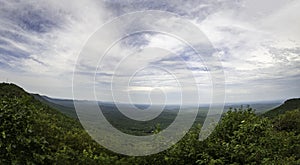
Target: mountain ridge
column 288, row 105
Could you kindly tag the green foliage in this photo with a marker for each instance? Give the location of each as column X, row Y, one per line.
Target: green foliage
column 33, row 133
column 241, row 137
column 244, row 138
column 288, row 122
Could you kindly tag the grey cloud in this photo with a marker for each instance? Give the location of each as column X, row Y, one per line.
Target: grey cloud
column 43, row 39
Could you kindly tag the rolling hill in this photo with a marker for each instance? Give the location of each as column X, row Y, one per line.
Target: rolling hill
column 288, row 105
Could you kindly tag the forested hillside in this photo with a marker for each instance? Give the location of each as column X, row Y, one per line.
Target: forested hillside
column 33, row 133
column 288, row 105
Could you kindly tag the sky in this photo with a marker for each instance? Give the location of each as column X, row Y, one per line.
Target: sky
column 256, row 41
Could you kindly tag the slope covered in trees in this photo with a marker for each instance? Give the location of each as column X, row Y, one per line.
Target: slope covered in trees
column 32, row 132
column 291, row 104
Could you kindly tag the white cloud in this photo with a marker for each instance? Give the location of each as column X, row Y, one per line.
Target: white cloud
column 50, row 55
column 247, row 37
column 258, row 42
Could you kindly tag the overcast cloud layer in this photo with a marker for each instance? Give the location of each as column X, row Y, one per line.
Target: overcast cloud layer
column 257, row 41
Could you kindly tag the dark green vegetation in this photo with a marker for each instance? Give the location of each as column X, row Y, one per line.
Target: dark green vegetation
column 67, row 109
column 34, row 133
column 31, row 132
column 288, row 105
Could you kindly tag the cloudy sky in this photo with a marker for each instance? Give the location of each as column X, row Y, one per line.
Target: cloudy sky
column 257, row 42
